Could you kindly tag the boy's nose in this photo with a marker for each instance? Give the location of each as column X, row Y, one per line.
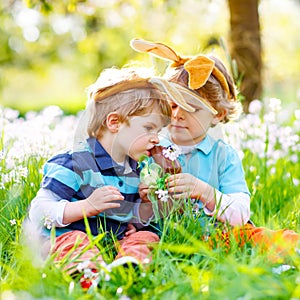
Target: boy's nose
column 177, row 113
column 154, row 139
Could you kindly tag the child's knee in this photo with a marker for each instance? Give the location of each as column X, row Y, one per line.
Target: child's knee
column 145, row 237
column 149, row 236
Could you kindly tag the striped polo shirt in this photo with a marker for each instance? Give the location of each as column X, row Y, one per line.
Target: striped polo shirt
column 74, row 175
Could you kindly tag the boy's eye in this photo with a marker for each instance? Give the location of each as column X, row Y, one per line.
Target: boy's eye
column 198, row 108
column 148, row 128
column 152, row 129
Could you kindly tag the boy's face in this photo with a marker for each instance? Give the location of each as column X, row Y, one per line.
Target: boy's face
column 140, row 135
column 189, row 128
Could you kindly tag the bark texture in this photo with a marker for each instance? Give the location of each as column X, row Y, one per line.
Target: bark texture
column 245, row 47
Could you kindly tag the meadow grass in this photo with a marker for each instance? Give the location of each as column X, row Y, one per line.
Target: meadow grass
column 184, row 266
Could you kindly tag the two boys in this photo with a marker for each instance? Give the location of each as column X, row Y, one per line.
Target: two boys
column 99, row 179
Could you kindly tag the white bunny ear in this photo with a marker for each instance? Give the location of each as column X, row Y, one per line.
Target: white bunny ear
column 182, row 96
column 157, row 49
column 173, row 93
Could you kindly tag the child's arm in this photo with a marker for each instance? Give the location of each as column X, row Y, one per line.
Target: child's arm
column 145, row 212
column 60, row 212
column 130, row 229
column 47, row 207
column 100, row 200
column 233, row 208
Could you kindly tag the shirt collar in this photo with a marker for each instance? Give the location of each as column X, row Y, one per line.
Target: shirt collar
column 204, row 146
column 103, row 159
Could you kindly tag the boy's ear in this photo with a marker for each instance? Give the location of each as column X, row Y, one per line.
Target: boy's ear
column 113, row 122
column 219, row 117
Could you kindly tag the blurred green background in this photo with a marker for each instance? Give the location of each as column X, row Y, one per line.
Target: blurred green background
column 50, row 53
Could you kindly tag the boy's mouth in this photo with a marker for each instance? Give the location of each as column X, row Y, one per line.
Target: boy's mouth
column 148, row 151
column 176, row 126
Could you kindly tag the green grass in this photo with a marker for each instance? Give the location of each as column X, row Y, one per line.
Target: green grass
column 183, row 266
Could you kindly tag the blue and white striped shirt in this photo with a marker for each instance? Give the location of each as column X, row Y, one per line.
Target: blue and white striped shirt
column 74, row 175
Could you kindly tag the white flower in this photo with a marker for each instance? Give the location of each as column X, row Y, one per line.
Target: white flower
column 275, row 104
column 88, row 273
column 124, row 297
column 162, row 195
column 48, row 222
column 294, row 158
column 172, row 152
column 83, row 265
column 22, row 171
column 282, row 268
column 270, row 117
column 255, row 107
column 146, row 261
column 10, row 114
column 13, row 222
column 252, row 169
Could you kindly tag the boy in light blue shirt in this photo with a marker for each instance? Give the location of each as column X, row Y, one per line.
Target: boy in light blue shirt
column 204, row 95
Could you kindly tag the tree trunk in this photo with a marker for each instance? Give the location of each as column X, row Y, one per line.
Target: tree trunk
column 245, row 47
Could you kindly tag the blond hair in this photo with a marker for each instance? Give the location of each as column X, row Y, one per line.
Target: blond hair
column 212, row 90
column 126, row 92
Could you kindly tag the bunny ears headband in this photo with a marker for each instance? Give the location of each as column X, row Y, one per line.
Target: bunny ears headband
column 199, row 67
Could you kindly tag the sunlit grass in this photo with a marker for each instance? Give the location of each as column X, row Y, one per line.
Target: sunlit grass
column 56, row 86
column 184, row 266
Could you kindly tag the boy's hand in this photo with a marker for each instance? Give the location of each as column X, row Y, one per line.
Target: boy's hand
column 130, row 230
column 143, row 191
column 104, row 198
column 183, row 186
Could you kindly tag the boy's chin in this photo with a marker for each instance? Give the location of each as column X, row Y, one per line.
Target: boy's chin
column 178, row 138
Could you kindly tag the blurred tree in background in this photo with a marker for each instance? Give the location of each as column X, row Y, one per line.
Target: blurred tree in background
column 246, row 47
column 52, row 50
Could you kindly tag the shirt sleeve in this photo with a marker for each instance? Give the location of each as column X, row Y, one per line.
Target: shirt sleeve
column 232, row 208
column 47, row 209
column 231, row 173
column 62, row 175
column 136, row 219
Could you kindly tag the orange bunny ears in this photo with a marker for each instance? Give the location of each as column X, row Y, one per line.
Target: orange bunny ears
column 199, row 67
